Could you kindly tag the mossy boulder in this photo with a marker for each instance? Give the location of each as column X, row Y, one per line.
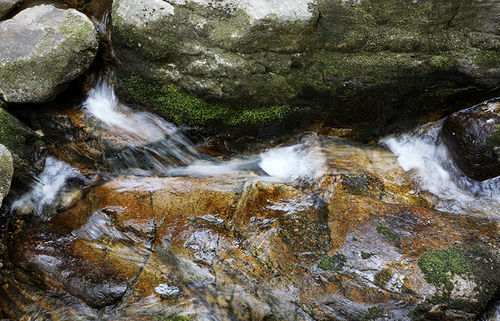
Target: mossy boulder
column 243, row 63
column 43, row 49
column 473, row 140
column 6, row 171
column 7, row 5
column 24, row 144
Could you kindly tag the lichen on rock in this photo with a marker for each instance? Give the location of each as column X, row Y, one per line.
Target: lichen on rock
column 44, row 48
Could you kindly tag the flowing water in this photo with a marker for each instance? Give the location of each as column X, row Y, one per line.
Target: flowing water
column 159, row 147
column 154, row 147
column 423, row 154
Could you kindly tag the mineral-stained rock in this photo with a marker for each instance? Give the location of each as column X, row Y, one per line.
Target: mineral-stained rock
column 473, row 140
column 245, row 62
column 260, row 250
column 43, row 49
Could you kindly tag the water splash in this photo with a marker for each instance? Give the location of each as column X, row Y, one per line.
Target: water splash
column 424, row 155
column 301, row 161
column 45, row 195
column 151, row 143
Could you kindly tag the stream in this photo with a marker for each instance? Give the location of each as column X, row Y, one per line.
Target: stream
column 143, row 271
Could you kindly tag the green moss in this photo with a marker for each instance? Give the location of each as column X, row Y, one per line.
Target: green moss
column 367, row 255
column 439, row 266
column 373, row 313
column 14, row 134
column 183, row 108
column 332, row 263
column 388, row 233
column 488, row 59
column 494, row 140
column 443, row 62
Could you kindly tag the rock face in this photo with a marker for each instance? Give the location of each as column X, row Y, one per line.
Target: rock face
column 7, row 5
column 6, row 171
column 473, row 140
column 24, row 144
column 43, row 49
column 358, row 245
column 242, row 62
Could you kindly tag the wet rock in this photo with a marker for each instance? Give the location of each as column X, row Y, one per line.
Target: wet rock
column 473, row 140
column 245, row 63
column 44, row 49
column 24, row 144
column 7, row 5
column 56, row 260
column 261, row 250
column 6, row 171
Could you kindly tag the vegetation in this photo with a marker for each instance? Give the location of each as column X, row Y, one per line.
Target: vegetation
column 182, row 108
column 388, row 233
column 332, row 263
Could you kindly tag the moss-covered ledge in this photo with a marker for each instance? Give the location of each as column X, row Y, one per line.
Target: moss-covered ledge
column 183, row 108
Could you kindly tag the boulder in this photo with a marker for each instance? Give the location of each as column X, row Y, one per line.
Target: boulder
column 6, row 171
column 358, row 245
column 473, row 140
column 7, row 5
column 44, row 48
column 25, row 146
column 235, row 63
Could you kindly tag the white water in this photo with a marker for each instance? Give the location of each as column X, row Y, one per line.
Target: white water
column 158, row 145
column 424, row 155
column 301, row 161
column 47, row 188
column 152, row 143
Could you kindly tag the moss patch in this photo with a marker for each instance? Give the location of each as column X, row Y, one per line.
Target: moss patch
column 332, row 263
column 367, row 255
column 388, row 233
column 439, row 266
column 373, row 313
column 182, row 108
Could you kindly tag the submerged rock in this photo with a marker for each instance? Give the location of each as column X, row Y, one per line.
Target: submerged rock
column 44, row 48
column 473, row 140
column 247, row 63
column 7, row 5
column 6, row 171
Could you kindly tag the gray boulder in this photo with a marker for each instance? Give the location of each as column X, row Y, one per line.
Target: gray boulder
column 7, row 5
column 247, row 62
column 43, row 49
column 6, row 171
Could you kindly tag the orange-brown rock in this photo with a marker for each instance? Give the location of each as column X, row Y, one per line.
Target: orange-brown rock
column 256, row 250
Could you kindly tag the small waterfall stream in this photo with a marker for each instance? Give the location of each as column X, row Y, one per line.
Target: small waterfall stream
column 423, row 154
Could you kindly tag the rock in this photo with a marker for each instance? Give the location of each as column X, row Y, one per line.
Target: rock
column 44, row 49
column 6, row 171
column 473, row 140
column 24, row 144
column 245, row 63
column 354, row 246
column 7, row 5
column 50, row 256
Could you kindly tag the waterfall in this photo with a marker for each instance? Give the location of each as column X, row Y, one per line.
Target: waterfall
column 423, row 154
column 152, row 142
column 158, row 146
